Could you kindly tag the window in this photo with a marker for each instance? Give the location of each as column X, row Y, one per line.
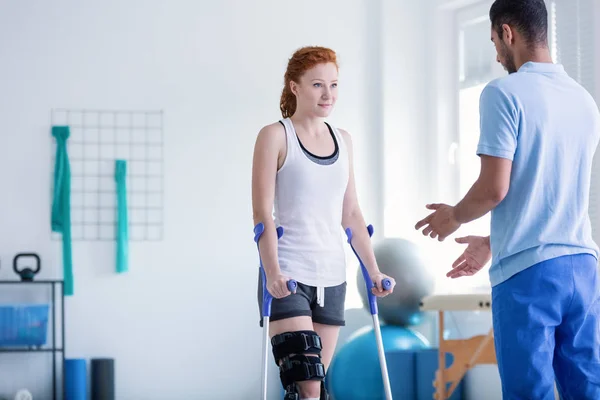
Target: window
column 469, row 162
column 464, row 59
column 577, row 42
column 477, row 66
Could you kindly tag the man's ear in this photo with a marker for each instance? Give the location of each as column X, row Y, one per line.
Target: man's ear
column 507, row 34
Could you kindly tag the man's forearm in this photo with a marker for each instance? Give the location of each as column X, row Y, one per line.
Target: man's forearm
column 480, row 200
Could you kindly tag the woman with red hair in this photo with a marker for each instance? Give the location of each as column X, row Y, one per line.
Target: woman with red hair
column 303, row 171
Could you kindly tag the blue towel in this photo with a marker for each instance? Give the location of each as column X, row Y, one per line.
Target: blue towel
column 61, row 203
column 122, row 221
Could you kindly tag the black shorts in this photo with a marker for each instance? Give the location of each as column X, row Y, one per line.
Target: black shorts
column 304, row 303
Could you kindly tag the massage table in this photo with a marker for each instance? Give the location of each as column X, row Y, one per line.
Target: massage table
column 466, row 353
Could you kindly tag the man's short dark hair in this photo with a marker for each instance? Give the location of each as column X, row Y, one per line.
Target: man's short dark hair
column 529, row 17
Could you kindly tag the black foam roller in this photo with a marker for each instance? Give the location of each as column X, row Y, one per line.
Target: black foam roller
column 103, row 378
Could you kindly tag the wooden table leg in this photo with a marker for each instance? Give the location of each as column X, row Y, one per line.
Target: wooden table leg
column 482, row 353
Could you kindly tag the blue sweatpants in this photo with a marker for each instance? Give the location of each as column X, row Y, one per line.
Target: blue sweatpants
column 547, row 326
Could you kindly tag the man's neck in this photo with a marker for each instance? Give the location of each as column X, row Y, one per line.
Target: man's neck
column 537, row 55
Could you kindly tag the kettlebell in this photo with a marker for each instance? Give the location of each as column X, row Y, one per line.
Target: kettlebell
column 26, row 273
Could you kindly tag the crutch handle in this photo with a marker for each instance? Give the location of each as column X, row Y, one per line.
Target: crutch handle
column 292, row 285
column 385, row 283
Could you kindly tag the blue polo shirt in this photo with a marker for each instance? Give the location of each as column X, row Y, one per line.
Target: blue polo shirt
column 549, row 126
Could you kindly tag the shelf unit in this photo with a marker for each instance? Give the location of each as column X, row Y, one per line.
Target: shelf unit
column 54, row 349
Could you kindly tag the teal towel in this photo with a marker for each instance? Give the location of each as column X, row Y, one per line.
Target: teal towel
column 61, row 203
column 122, row 223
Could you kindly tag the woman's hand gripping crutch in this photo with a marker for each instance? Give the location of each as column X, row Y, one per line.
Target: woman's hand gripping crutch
column 386, row 284
column 266, row 305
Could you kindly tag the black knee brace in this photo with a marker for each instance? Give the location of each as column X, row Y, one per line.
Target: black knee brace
column 290, row 351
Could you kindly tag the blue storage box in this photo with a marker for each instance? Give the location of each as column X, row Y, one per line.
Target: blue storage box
column 23, row 325
column 401, row 371
column 426, row 365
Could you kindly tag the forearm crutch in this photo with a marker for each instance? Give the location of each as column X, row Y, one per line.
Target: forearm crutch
column 386, row 284
column 266, row 305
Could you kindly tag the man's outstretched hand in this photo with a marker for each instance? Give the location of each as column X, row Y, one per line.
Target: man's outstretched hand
column 472, row 260
column 439, row 224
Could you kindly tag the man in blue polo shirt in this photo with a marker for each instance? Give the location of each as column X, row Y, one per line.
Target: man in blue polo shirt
column 539, row 133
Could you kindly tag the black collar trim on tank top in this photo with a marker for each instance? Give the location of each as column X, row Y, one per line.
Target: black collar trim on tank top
column 332, row 155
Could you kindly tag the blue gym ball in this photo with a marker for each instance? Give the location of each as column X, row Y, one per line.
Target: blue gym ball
column 355, row 373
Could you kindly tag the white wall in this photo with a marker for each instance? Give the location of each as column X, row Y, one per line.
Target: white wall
column 183, row 321
column 406, row 76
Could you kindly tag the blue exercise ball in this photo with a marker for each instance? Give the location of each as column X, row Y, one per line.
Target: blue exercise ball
column 355, row 372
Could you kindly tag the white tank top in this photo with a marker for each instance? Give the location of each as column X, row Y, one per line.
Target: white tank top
column 309, row 196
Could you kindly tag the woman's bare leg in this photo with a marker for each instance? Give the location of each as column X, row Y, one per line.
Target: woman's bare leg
column 329, row 336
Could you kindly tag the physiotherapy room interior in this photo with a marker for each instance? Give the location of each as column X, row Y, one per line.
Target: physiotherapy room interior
column 132, row 274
